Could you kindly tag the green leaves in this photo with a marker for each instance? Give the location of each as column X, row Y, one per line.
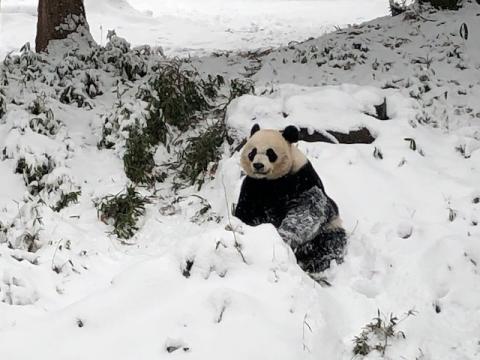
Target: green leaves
column 138, row 159
column 177, row 97
column 123, row 210
column 200, row 151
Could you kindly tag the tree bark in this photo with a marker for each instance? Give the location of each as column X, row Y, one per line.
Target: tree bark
column 54, row 13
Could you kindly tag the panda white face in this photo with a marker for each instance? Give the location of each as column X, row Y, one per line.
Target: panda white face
column 268, row 154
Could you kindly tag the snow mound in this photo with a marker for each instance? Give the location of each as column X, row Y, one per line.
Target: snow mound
column 214, row 305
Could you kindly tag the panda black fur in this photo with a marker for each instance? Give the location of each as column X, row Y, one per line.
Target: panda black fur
column 282, row 188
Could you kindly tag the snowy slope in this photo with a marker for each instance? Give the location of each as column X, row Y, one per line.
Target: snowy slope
column 413, row 218
column 197, row 27
column 424, row 55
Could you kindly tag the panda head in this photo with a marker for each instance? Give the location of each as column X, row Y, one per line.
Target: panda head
column 270, row 154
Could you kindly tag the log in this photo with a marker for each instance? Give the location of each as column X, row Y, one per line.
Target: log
column 358, row 136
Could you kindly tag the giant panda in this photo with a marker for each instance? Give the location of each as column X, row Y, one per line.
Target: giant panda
column 281, row 187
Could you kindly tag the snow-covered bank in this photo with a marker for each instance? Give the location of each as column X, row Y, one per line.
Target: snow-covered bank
column 406, row 251
column 425, row 55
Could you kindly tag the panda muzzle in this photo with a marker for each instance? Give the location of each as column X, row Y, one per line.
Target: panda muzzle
column 258, row 166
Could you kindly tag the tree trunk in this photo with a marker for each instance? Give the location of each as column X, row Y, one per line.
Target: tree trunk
column 53, row 13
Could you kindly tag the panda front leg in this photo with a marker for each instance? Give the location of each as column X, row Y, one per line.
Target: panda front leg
column 313, row 230
column 316, row 255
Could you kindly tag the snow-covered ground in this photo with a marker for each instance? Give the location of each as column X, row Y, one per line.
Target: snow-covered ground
column 410, row 202
column 198, row 27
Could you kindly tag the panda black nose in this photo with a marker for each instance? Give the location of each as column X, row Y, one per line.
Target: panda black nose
column 258, row 166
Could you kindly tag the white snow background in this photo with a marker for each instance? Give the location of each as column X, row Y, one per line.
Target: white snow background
column 412, row 215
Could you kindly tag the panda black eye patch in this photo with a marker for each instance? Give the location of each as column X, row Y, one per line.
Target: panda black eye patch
column 271, row 155
column 251, row 154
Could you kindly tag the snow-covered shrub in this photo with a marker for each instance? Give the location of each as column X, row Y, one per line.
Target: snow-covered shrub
column 93, row 85
column 66, row 199
column 212, row 85
column 397, row 7
column 378, row 334
column 177, row 97
column 343, row 57
column 44, row 123
column 239, row 87
column 38, row 106
column 59, row 189
column 138, row 158
column 64, row 69
column 200, row 152
column 27, row 65
column 118, row 122
column 130, row 64
column 34, row 168
column 47, row 181
column 74, row 93
column 24, row 231
column 75, row 64
column 122, row 211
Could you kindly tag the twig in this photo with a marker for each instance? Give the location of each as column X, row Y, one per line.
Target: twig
column 54, row 254
column 237, row 245
column 305, row 323
column 220, row 315
column 353, row 231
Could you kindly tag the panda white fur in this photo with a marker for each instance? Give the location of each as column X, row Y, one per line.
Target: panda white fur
column 282, row 188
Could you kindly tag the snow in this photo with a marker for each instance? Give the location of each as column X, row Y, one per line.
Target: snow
column 197, row 27
column 340, row 108
column 412, row 216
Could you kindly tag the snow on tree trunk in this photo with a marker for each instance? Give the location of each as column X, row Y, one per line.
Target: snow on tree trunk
column 57, row 19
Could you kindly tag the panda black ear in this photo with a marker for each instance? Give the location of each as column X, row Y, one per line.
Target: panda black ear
column 290, row 133
column 255, row 128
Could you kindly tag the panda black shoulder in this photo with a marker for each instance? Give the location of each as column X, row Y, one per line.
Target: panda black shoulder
column 305, row 178
column 308, row 177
